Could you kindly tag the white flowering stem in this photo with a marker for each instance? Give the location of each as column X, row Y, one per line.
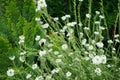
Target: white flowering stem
column 79, row 17
column 102, row 11
column 90, row 8
column 105, row 23
column 75, row 12
column 94, row 25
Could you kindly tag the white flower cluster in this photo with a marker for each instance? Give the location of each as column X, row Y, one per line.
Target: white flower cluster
column 46, row 25
column 71, row 24
column 65, row 17
column 102, row 59
column 42, row 53
column 21, row 39
column 37, row 38
column 41, row 4
column 55, row 70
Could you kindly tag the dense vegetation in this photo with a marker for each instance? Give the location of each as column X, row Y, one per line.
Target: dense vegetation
column 60, row 41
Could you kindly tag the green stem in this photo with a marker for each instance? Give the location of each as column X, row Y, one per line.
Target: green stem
column 90, row 7
column 105, row 23
column 119, row 17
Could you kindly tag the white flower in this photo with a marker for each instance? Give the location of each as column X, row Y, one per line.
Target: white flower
column 28, row 76
column 93, row 41
column 110, row 41
column 10, row 72
column 56, row 52
column 70, row 54
column 96, row 60
column 21, row 41
column 71, row 24
column 68, row 74
column 41, row 4
column 80, row 24
column 117, row 40
column 55, row 70
column 86, row 28
column 87, row 58
column 99, row 59
column 91, row 56
column 42, row 53
column 100, row 44
column 96, row 33
column 56, row 19
column 34, row 66
column 63, row 18
column 101, row 16
column 39, row 78
column 81, row 34
column 90, row 47
column 86, row 52
column 116, row 35
column 48, row 77
column 113, row 49
column 109, row 66
column 84, row 41
column 22, row 58
column 37, row 19
column 64, row 46
column 97, row 12
column 37, row 38
column 58, row 60
column 67, row 16
column 12, row 58
column 62, row 30
column 65, row 27
column 80, row 0
column 103, row 59
column 60, row 56
column 42, row 41
column 45, row 25
column 97, row 22
column 102, row 28
column 88, row 16
column 23, row 53
column 22, row 37
column 98, row 71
